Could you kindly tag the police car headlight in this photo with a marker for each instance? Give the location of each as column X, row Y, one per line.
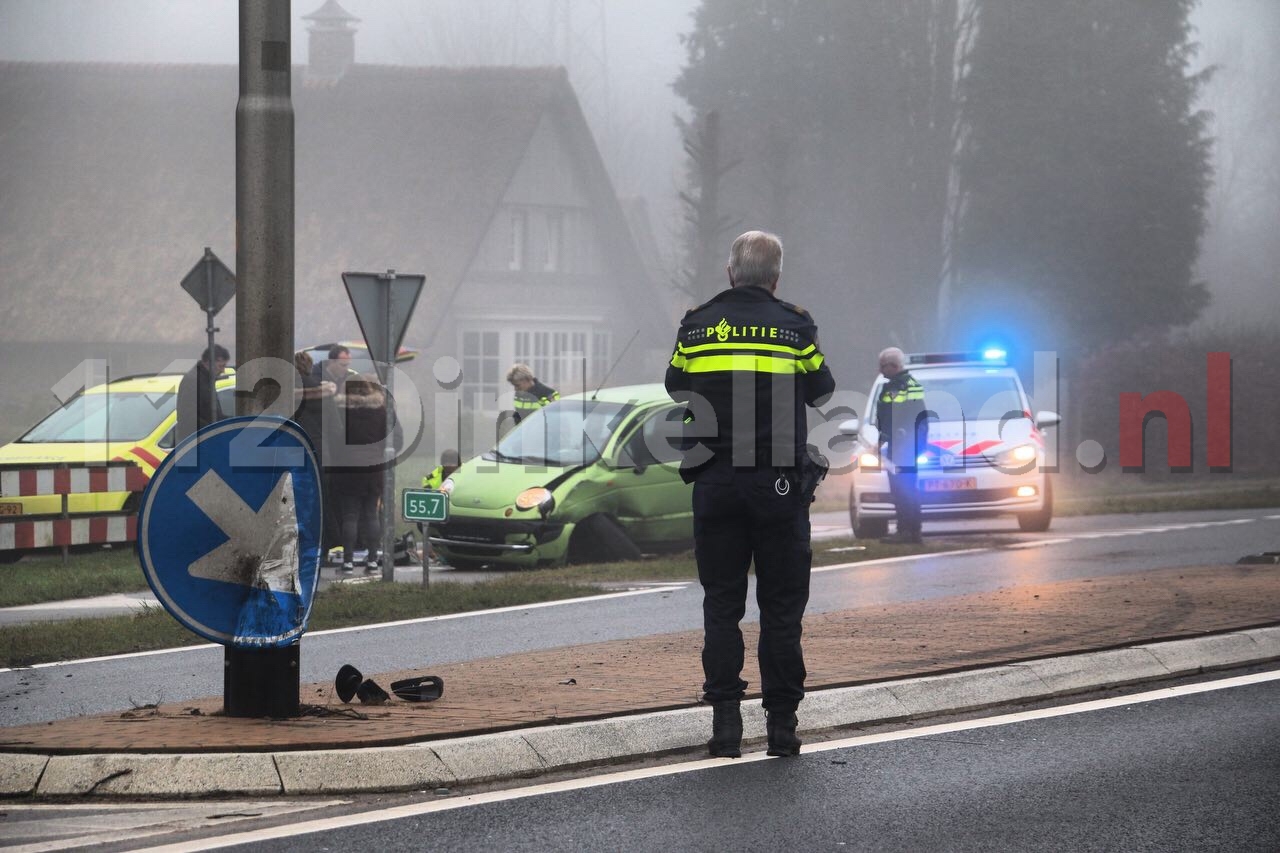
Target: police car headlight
column 536, row 498
column 1018, row 457
column 869, row 461
column 447, row 486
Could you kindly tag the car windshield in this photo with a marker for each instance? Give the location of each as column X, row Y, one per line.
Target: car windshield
column 118, row 416
column 969, row 398
column 972, row 398
column 563, row 434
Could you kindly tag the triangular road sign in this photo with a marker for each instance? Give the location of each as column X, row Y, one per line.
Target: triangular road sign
column 383, row 303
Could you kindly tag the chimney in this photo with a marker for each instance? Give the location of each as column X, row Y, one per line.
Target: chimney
column 331, row 45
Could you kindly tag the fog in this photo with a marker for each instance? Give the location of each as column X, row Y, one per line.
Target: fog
column 623, row 57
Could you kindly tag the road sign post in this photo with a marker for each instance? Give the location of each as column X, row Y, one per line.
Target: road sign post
column 211, row 285
column 424, row 506
column 229, row 540
column 383, row 303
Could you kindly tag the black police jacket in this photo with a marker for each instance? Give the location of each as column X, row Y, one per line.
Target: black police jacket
column 902, row 419
column 746, row 364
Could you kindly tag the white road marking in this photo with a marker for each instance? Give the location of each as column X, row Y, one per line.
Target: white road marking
column 45, row 827
column 1037, row 543
column 903, row 559
column 673, row 587
column 431, row 806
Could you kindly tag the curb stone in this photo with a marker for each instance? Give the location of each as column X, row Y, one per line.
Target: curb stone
column 531, row 752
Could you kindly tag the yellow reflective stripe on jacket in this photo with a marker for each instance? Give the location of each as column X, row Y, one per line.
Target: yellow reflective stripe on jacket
column 739, row 346
column 435, row 479
column 913, row 392
column 746, row 362
column 710, row 358
column 528, row 404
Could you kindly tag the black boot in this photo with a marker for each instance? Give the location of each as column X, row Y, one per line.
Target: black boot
column 781, row 728
column 726, row 730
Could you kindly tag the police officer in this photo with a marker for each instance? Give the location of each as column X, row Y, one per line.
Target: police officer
column 450, row 461
column 531, row 394
column 746, row 364
column 903, row 425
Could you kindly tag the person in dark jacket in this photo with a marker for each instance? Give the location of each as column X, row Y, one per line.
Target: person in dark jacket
column 194, row 391
column 531, row 394
column 747, row 364
column 356, row 466
column 904, row 429
column 310, row 393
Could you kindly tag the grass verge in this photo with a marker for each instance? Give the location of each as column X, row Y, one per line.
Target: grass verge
column 339, row 606
column 1263, row 497
column 35, row 580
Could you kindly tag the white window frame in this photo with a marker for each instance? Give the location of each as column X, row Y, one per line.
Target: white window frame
column 519, row 243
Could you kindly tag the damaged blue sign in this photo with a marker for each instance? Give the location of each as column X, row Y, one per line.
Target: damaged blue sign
column 229, row 531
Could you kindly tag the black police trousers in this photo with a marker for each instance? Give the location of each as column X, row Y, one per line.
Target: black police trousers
column 740, row 515
column 904, row 488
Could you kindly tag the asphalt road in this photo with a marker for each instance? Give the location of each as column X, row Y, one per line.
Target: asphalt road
column 1193, row 772
column 1091, row 546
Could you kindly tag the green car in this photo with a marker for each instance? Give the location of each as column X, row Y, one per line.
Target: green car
column 589, row 478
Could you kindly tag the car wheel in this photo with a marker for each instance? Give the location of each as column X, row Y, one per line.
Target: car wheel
column 601, row 539
column 7, row 557
column 866, row 528
column 1038, row 522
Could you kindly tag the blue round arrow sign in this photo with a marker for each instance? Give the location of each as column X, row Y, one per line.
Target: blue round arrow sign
column 229, row 531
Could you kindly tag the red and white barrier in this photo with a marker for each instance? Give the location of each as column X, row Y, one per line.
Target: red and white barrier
column 29, row 482
column 24, row 535
column 28, row 532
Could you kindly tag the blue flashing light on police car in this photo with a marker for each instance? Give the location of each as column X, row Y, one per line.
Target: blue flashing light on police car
column 994, row 354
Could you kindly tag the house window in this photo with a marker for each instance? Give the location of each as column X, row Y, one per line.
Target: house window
column 555, row 242
column 556, row 358
column 600, row 359
column 519, row 239
column 481, row 368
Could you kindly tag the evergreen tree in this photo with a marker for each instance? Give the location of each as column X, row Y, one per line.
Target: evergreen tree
column 1084, row 168
column 840, row 116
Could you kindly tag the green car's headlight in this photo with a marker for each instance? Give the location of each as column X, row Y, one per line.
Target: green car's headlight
column 536, row 497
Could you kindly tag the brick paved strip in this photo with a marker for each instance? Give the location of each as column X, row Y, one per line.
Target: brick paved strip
column 660, row 672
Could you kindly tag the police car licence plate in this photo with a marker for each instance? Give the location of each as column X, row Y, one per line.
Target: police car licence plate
column 953, row 484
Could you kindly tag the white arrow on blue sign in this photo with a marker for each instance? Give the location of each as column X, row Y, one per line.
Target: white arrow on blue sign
column 229, row 531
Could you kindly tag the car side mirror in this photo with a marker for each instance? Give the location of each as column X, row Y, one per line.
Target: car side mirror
column 1044, row 420
column 850, row 426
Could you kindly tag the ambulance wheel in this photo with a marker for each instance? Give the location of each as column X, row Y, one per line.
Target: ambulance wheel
column 866, row 528
column 1038, row 522
column 601, row 539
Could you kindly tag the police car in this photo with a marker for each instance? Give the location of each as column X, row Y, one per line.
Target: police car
column 985, row 450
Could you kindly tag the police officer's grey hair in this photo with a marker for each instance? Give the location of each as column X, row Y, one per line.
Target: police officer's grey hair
column 755, row 259
column 519, row 372
column 893, row 355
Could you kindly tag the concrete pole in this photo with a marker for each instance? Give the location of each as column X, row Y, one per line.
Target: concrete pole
column 264, row 203
column 263, row 682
